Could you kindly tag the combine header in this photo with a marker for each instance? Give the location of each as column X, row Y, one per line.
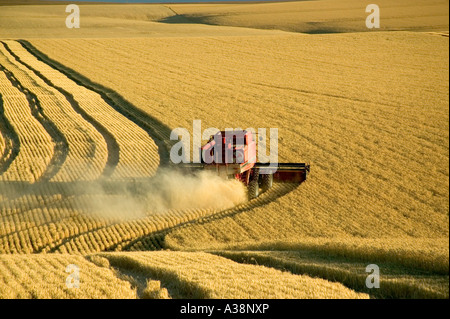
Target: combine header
column 232, row 155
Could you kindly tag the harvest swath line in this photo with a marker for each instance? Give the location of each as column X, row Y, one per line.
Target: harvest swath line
column 36, row 145
column 113, row 147
column 87, row 152
column 159, row 132
column 346, row 270
column 201, row 275
column 11, row 140
column 60, row 143
column 40, row 277
column 138, row 151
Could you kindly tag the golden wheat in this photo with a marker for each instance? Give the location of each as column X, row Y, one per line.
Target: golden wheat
column 36, row 146
column 87, row 153
column 325, row 16
column 427, row 254
column 368, row 180
column 40, row 223
column 395, row 281
column 369, row 110
column 138, row 152
column 135, row 21
column 44, row 276
column 201, row 275
column 378, row 173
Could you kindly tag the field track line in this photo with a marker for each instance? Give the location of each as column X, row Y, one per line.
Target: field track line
column 138, row 152
column 327, row 266
column 158, row 131
column 60, row 142
column 112, row 145
column 87, row 152
column 37, row 146
column 12, row 142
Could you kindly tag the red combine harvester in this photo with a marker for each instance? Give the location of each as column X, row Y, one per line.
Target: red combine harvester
column 232, row 155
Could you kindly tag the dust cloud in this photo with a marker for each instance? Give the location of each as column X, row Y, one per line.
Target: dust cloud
column 166, row 191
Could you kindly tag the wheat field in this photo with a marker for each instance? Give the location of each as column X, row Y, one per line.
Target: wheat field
column 326, row 16
column 85, row 122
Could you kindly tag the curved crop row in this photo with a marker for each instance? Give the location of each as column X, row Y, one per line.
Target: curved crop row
column 202, row 275
column 54, row 224
column 46, row 276
column 36, row 146
column 138, row 154
column 84, row 148
column 397, row 281
column 60, row 148
column 52, row 217
column 126, row 235
column 9, row 141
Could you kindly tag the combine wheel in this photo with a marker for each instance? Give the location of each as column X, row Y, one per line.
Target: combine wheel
column 253, row 189
column 266, row 182
column 253, row 185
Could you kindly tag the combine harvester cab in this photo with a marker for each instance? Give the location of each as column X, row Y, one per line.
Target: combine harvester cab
column 232, row 155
